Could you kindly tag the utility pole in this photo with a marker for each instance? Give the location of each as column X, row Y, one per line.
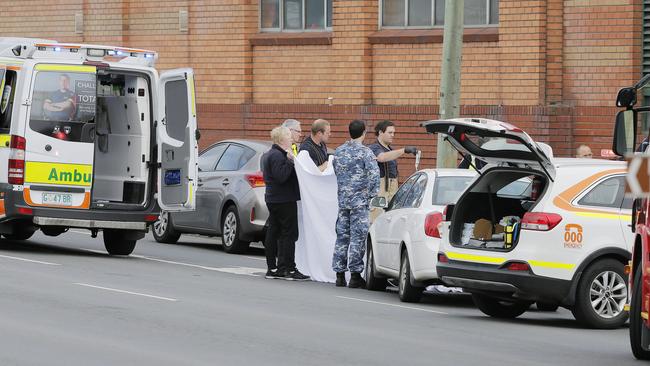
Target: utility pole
column 452, row 47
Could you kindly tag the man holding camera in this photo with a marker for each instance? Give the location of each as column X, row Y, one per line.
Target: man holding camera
column 387, row 161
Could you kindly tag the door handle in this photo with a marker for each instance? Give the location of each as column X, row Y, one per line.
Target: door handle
column 225, row 182
column 199, row 182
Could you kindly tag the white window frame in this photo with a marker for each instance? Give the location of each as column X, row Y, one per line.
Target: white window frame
column 433, row 17
column 281, row 19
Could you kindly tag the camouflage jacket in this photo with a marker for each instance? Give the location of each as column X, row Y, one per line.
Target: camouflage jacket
column 357, row 175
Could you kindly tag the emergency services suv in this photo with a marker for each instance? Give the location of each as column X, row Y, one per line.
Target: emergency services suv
column 561, row 240
column 92, row 137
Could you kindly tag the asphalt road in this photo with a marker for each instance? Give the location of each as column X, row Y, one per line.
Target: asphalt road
column 64, row 301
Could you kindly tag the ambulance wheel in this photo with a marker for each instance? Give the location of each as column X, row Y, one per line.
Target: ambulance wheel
column 19, row 235
column 373, row 283
column 407, row 292
column 637, row 327
column 163, row 229
column 116, row 243
column 230, row 232
column 499, row 309
column 601, row 295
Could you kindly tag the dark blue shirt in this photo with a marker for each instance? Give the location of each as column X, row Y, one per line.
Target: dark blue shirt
column 377, row 149
column 318, row 153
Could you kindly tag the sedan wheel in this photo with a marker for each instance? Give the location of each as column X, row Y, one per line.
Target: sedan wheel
column 229, row 229
column 160, row 226
column 406, row 291
column 163, row 229
column 373, row 283
column 230, row 232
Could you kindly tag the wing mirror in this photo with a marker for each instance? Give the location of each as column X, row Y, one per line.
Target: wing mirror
column 379, row 202
column 625, row 133
column 626, row 98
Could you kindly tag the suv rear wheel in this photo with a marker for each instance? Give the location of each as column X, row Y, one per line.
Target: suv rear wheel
column 373, row 283
column 407, row 292
column 163, row 229
column 498, row 308
column 601, row 295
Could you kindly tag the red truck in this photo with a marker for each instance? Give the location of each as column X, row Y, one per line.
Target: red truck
column 625, row 144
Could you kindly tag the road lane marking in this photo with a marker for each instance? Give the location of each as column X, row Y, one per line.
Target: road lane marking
column 125, row 292
column 248, row 271
column 29, row 260
column 394, row 305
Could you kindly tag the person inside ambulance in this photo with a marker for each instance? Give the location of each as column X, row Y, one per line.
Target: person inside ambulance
column 60, row 105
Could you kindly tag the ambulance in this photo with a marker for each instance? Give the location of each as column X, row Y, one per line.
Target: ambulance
column 92, row 137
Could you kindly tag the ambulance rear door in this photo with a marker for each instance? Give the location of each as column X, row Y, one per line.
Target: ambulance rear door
column 176, row 140
column 58, row 138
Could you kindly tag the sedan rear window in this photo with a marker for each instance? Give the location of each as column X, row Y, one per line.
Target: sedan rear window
column 447, row 190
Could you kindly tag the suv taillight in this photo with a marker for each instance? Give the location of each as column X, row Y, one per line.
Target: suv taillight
column 540, row 221
column 16, row 172
column 255, row 180
column 432, row 223
column 442, row 258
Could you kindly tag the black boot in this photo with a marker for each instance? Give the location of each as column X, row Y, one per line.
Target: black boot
column 340, row 279
column 356, row 281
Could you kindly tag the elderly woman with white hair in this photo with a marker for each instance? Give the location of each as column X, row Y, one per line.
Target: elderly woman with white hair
column 282, row 194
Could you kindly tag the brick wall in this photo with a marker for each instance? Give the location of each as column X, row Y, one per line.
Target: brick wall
column 554, row 68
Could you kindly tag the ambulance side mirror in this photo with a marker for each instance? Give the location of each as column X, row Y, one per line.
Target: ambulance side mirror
column 625, row 133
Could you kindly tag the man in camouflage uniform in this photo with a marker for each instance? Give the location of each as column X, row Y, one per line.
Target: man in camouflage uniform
column 357, row 175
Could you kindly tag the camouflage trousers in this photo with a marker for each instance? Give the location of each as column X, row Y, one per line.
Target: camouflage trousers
column 351, row 233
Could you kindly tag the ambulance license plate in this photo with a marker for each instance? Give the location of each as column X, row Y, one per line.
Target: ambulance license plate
column 62, row 199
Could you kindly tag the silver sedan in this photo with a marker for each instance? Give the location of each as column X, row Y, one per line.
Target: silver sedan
column 229, row 198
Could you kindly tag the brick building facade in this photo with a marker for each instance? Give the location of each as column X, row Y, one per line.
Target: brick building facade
column 551, row 67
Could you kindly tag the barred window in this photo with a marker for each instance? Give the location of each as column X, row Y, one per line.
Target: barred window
column 431, row 13
column 295, row 15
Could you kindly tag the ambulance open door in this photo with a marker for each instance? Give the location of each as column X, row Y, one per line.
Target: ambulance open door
column 176, row 140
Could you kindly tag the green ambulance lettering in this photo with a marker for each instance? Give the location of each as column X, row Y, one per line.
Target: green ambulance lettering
column 75, row 176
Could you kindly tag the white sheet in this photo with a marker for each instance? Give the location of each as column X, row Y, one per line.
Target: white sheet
column 317, row 213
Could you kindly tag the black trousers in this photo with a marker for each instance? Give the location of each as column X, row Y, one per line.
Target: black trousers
column 281, row 236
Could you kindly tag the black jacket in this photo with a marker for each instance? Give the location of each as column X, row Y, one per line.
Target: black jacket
column 279, row 176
